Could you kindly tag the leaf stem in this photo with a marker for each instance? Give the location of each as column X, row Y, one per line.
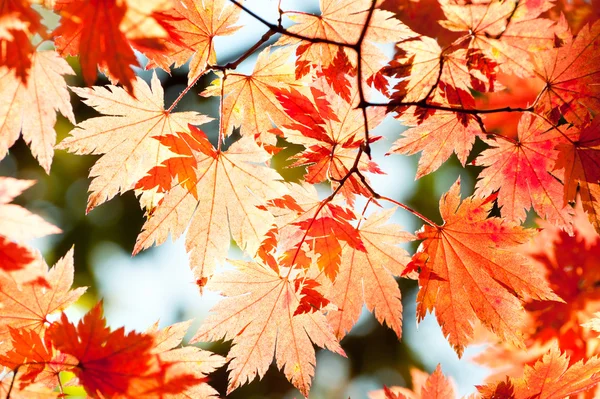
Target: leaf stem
column 184, row 92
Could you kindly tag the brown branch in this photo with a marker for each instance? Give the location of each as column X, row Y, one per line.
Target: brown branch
column 12, row 381
column 423, row 104
column 359, row 75
column 234, row 64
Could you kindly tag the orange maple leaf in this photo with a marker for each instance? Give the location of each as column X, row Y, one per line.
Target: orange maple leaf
column 17, row 223
column 549, row 378
column 28, row 354
column 424, row 386
column 342, row 22
column 572, row 265
column 249, row 102
column 506, row 32
column 438, row 133
column 420, row 64
column 127, row 136
column 30, row 304
column 229, row 185
column 571, row 74
column 18, row 23
column 102, row 32
column 470, row 270
column 196, row 23
column 258, row 314
column 184, row 364
column 578, row 160
column 332, row 129
column 107, row 361
column 368, row 276
column 307, row 227
column 520, row 172
column 30, row 108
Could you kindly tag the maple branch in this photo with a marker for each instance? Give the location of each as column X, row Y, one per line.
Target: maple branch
column 409, row 209
column 470, row 111
column 234, row 64
column 359, row 74
column 12, row 381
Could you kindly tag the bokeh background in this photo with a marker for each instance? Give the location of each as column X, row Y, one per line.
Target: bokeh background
column 158, row 285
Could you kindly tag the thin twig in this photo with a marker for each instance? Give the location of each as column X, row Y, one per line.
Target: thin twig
column 359, row 74
column 234, row 64
column 184, row 92
column 221, row 104
column 471, row 111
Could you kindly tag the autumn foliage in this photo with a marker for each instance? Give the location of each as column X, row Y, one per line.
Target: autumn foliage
column 510, row 86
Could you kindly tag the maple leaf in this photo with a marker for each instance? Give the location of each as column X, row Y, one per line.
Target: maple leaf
column 520, row 172
column 18, row 23
column 571, row 74
column 29, row 305
column 126, row 135
column 13, row 256
column 230, row 185
column 426, row 23
column 368, row 276
column 549, row 378
column 332, row 138
column 342, row 21
column 185, row 362
column 580, row 159
column 420, row 64
column 102, row 32
column 249, row 102
column 572, row 265
column 32, row 357
column 437, row 134
column 196, row 23
column 505, row 31
column 31, row 391
column 306, row 226
column 107, row 360
column 258, row 315
column 30, row 108
column 434, row 386
column 17, row 223
column 470, row 270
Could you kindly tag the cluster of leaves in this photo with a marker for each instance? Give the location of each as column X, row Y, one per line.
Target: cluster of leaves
column 313, row 262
